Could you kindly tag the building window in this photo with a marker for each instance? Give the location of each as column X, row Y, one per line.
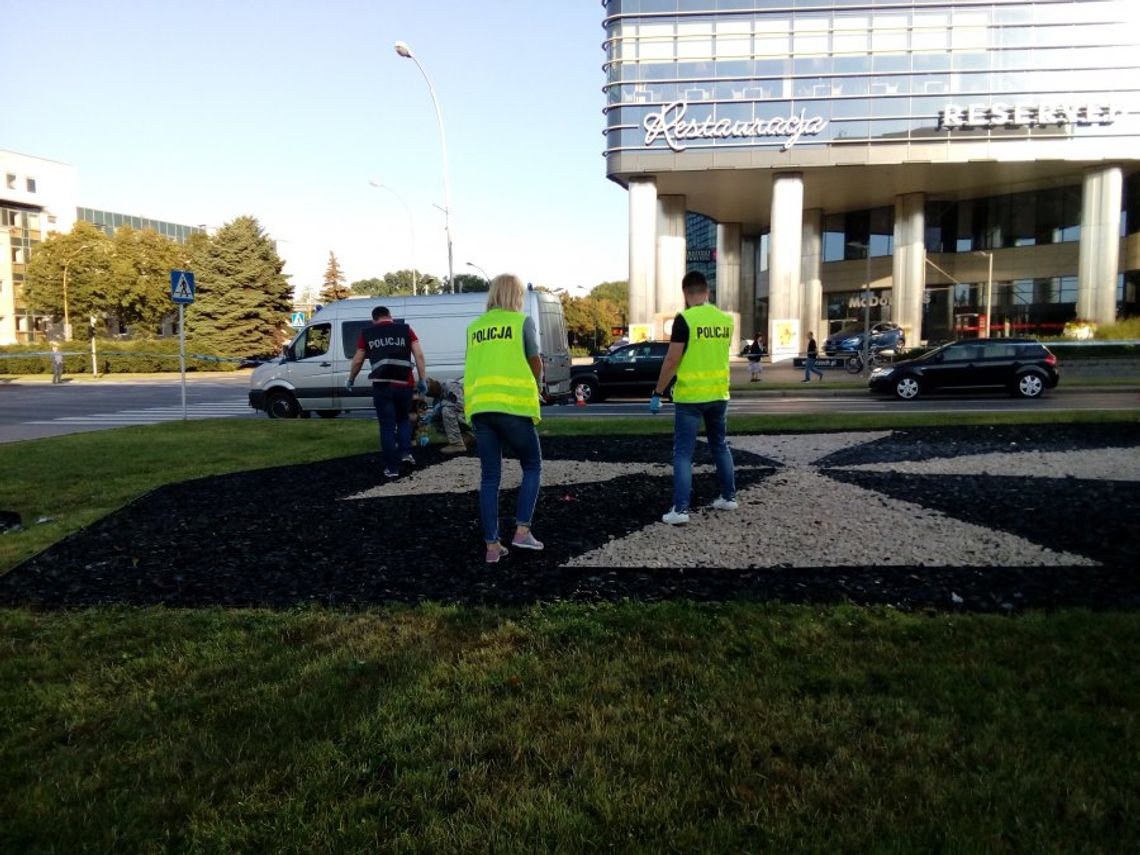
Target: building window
column 30, row 183
column 11, row 181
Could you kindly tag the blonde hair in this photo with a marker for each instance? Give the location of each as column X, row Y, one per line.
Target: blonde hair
column 506, row 292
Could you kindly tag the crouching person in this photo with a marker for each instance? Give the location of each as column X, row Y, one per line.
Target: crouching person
column 448, row 408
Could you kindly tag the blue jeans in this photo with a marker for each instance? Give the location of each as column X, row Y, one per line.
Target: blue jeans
column 810, row 369
column 493, row 431
column 686, row 423
column 392, row 404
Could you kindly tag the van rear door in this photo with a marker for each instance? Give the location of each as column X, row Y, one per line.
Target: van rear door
column 553, row 345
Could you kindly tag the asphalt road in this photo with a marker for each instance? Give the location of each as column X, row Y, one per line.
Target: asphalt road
column 31, row 410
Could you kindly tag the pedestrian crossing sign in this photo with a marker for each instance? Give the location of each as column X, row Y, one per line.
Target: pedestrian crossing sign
column 182, row 286
column 298, row 320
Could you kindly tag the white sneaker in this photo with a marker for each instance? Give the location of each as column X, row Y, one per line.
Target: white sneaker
column 675, row 518
column 723, row 504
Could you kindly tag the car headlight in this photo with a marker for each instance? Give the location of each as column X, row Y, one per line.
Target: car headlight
column 881, row 372
column 851, row 342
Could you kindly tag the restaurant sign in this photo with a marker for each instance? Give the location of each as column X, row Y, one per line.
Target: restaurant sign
column 671, row 125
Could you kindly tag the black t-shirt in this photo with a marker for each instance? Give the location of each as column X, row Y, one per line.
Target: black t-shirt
column 680, row 334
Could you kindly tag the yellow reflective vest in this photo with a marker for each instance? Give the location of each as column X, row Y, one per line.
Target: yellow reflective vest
column 496, row 375
column 702, row 375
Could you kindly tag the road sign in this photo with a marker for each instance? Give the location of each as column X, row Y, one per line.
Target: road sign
column 182, row 287
column 298, row 320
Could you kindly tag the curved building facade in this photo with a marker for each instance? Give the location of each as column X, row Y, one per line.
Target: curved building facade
column 957, row 167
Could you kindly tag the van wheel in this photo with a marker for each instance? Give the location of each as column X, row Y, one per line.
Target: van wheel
column 328, row 414
column 282, row 405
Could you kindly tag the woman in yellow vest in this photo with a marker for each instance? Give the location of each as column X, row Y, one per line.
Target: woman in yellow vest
column 502, row 375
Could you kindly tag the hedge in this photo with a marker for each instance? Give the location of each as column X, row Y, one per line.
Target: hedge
column 115, row 356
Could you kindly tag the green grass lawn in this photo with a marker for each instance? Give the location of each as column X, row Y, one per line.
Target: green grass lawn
column 569, row 728
column 734, row 727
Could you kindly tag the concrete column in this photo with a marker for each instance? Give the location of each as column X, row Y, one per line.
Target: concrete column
column 784, row 247
column 670, row 256
column 642, row 249
column 908, row 266
column 748, row 249
column 728, row 275
column 1099, row 257
column 811, row 287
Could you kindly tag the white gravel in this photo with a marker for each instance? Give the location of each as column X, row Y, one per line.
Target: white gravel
column 801, row 518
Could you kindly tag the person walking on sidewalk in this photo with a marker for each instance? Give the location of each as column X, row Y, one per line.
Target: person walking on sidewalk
column 698, row 357
column 755, row 354
column 56, row 363
column 502, row 375
column 809, row 365
column 390, row 346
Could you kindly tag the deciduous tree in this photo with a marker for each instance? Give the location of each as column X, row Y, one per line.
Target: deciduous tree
column 72, row 269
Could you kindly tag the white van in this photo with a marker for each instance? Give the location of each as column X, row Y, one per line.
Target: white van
column 311, row 373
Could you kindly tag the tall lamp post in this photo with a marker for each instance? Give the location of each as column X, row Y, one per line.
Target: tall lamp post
column 403, row 50
column 989, row 290
column 411, row 225
column 481, row 270
column 66, row 312
column 866, row 247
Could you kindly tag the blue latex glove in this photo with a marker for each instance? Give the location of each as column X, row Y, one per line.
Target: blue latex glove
column 348, row 384
column 655, row 404
column 421, row 387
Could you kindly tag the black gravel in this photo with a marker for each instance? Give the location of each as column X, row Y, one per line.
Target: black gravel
column 282, row 537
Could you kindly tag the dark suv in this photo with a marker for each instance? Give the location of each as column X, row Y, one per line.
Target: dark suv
column 885, row 335
column 631, row 370
column 1023, row 366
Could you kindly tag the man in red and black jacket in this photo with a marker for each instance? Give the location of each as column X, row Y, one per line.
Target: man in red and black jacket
column 390, row 346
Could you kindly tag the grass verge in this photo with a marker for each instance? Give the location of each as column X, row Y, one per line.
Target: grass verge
column 569, row 728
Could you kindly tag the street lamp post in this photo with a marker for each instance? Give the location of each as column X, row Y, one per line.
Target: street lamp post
column 481, row 270
column 866, row 247
column 403, row 50
column 411, row 226
column 66, row 312
column 989, row 290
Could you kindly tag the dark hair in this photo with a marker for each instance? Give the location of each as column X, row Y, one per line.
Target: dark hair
column 380, row 312
column 694, row 281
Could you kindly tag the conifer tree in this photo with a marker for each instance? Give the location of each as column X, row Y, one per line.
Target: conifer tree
column 334, row 287
column 243, row 298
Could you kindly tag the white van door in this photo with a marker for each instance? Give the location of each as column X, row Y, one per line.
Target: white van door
column 312, row 368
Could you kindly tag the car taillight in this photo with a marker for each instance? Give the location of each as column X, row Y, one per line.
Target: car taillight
column 1050, row 359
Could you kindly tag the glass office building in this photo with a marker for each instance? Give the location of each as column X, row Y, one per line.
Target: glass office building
column 960, row 167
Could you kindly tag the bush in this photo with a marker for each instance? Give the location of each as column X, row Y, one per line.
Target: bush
column 1125, row 329
column 115, row 356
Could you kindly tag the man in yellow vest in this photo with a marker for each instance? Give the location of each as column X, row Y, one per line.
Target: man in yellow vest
column 698, row 356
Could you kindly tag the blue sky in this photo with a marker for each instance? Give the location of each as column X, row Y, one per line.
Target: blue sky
column 201, row 112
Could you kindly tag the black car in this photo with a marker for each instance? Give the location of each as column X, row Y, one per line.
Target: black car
column 628, row 371
column 885, row 335
column 1023, row 366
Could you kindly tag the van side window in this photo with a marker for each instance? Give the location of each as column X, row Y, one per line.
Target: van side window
column 349, row 332
column 314, row 341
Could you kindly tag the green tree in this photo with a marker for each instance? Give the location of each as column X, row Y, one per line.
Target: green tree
column 397, row 284
column 68, row 274
column 617, row 293
column 138, row 290
column 333, row 288
column 243, row 298
column 470, row 283
column 588, row 320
